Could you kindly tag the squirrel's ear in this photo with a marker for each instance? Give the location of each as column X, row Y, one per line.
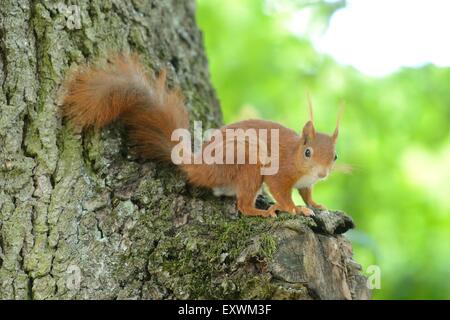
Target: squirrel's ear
column 308, row 132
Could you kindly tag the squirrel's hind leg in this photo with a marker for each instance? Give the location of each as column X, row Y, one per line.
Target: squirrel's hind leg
column 248, row 209
column 282, row 194
column 246, row 197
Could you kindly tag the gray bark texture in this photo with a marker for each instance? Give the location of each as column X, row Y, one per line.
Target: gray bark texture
column 80, row 218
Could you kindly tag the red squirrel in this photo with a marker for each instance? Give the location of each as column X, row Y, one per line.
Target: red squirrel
column 96, row 96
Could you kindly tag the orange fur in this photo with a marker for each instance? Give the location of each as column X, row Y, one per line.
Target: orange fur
column 97, row 96
column 122, row 90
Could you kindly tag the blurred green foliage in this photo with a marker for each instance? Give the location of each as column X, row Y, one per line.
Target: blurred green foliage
column 395, row 132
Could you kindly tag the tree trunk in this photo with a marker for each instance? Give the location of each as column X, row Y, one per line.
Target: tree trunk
column 80, row 218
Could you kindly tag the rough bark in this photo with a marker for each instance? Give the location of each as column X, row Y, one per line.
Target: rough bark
column 80, row 218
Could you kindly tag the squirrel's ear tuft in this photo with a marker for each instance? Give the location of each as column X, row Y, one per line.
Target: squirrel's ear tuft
column 336, row 131
column 335, row 134
column 308, row 132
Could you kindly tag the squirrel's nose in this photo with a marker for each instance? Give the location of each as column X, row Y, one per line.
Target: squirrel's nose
column 322, row 174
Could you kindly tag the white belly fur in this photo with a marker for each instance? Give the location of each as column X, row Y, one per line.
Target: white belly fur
column 224, row 191
column 305, row 181
column 228, row 191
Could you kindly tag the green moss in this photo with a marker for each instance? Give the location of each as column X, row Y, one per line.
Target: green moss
column 234, row 236
column 257, row 287
column 268, row 245
column 204, row 260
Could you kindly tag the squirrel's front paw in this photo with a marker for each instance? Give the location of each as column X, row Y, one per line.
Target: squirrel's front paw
column 304, row 211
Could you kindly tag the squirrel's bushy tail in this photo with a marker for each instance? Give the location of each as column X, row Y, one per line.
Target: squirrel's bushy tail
column 122, row 90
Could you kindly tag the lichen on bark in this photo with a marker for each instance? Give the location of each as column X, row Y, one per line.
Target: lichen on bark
column 81, row 218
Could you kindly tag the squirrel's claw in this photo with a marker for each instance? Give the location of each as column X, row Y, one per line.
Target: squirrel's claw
column 320, row 207
column 271, row 212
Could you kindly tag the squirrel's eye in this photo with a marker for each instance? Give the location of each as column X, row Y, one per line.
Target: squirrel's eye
column 308, row 152
column 335, row 157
